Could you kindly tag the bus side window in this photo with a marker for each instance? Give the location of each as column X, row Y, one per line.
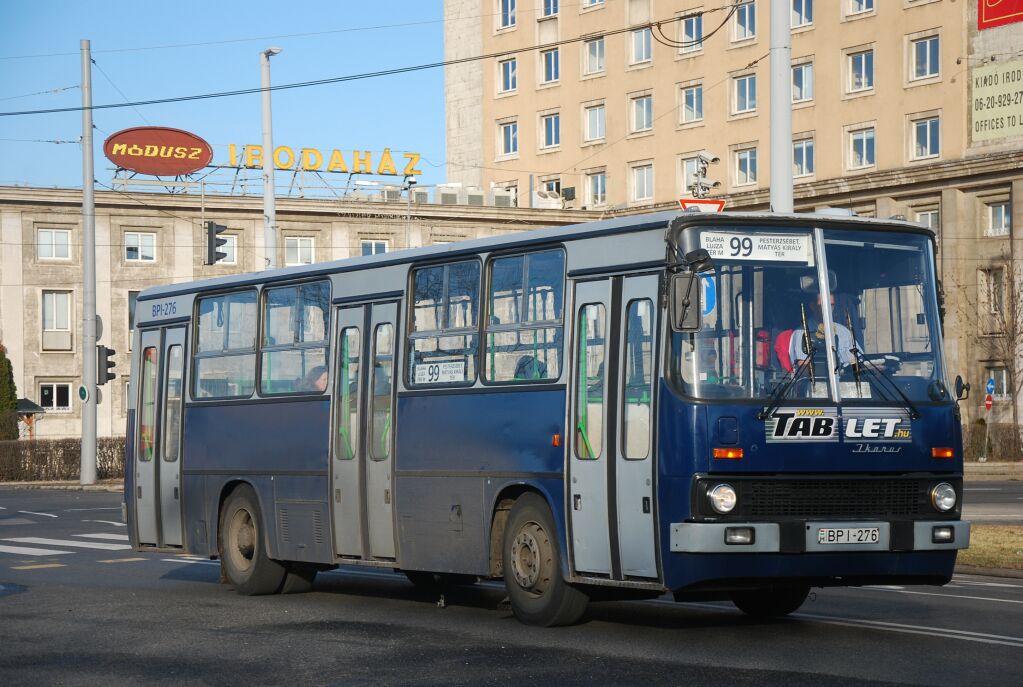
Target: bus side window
column 147, row 405
column 172, row 404
column 524, row 303
column 348, row 394
column 443, row 339
column 637, row 379
column 380, row 408
column 589, row 382
column 224, row 365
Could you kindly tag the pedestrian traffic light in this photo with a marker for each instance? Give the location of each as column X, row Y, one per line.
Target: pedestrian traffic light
column 213, row 242
column 104, row 364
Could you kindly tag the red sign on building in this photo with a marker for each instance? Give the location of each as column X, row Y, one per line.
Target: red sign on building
column 158, row 150
column 992, row 13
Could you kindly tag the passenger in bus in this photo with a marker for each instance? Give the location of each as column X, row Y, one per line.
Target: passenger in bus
column 314, row 381
column 528, row 367
column 709, row 367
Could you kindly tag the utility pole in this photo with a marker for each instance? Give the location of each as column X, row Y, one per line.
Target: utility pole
column 781, row 106
column 87, row 392
column 269, row 202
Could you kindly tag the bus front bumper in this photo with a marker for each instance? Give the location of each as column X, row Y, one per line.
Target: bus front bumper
column 818, row 536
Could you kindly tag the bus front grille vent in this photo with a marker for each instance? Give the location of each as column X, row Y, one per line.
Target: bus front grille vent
column 833, row 498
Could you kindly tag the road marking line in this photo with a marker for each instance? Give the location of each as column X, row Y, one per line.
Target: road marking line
column 69, row 542
column 189, row 560
column 123, row 560
column 27, row 551
column 988, row 584
column 77, row 510
column 105, row 535
column 947, row 596
column 28, row 512
column 38, row 567
column 107, row 522
column 942, row 632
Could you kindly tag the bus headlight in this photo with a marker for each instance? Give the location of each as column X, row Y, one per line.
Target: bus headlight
column 722, row 498
column 943, row 497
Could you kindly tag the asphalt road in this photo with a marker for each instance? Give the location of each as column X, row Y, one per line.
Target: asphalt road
column 79, row 608
column 993, row 502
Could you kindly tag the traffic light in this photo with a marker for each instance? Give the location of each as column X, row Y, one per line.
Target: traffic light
column 104, row 364
column 213, row 242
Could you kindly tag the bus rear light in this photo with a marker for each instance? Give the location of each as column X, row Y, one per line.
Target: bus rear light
column 728, row 453
column 942, row 453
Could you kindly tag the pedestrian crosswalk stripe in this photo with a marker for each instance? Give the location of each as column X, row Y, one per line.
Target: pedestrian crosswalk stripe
column 27, row 551
column 70, row 543
column 105, row 535
column 123, row 560
column 38, row 567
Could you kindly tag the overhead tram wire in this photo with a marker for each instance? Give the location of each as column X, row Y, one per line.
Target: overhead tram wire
column 354, row 77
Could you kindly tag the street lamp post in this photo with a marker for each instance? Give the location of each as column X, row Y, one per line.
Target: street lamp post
column 269, row 205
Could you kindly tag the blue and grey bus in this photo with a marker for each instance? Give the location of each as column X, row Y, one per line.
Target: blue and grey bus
column 731, row 406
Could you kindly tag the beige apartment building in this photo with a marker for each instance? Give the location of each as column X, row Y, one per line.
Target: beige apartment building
column 899, row 107
column 148, row 239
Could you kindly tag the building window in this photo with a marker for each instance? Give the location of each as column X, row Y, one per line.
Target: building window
column 745, row 166
column 551, row 185
column 298, row 250
column 861, row 71
column 643, row 182
column 745, row 94
column 999, row 220
column 745, row 26
column 994, row 292
column 861, row 148
column 802, row 158
column 860, row 6
column 55, row 397
column 802, row 82
column 507, row 13
column 802, row 13
column 374, row 247
column 139, row 247
column 926, row 61
column 1003, row 388
column 594, row 56
column 592, row 3
column 550, row 8
column 551, row 68
column 926, row 138
column 53, row 244
column 692, row 103
column 692, row 34
column 690, row 167
column 551, row 130
column 594, row 123
column 642, row 46
column 929, row 218
column 230, row 250
column 56, row 332
column 596, row 189
column 642, row 113
column 509, row 138
column 509, row 75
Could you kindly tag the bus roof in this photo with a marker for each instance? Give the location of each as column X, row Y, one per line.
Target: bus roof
column 616, row 225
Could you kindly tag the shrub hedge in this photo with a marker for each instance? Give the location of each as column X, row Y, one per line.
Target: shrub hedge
column 58, row 459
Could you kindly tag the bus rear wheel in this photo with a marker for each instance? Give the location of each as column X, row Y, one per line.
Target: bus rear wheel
column 242, row 546
column 771, row 602
column 538, row 593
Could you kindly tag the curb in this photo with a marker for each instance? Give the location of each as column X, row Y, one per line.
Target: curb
column 65, row 486
column 988, row 572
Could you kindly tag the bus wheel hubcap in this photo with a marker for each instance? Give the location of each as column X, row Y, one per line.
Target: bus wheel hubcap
column 527, row 556
column 244, row 539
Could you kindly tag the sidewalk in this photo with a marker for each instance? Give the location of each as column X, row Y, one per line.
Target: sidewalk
column 993, row 471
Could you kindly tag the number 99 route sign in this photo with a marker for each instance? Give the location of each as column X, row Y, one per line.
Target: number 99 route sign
column 793, row 248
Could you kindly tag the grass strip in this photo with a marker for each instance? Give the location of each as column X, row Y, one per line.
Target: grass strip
column 994, row 546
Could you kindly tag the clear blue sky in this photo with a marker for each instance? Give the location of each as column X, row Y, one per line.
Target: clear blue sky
column 403, row 112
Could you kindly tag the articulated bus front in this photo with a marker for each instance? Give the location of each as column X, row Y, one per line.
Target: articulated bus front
column 808, row 436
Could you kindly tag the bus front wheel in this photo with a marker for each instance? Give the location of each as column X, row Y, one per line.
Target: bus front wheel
column 770, row 602
column 538, row 593
column 243, row 548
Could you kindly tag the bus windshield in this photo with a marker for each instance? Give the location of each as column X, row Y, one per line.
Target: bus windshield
column 767, row 314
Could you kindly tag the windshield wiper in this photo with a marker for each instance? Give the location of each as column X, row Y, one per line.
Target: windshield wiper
column 783, row 389
column 879, row 374
column 808, row 349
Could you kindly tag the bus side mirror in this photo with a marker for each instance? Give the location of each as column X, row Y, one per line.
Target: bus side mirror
column 685, row 303
column 962, row 390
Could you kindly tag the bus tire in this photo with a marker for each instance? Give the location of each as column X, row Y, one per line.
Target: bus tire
column 298, row 578
column 538, row 593
column 242, row 546
column 770, row 602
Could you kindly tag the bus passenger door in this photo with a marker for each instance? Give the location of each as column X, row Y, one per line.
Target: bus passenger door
column 634, row 451
column 158, row 435
column 363, row 435
column 588, row 454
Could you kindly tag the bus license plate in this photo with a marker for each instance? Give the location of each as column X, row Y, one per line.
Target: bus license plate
column 848, row 535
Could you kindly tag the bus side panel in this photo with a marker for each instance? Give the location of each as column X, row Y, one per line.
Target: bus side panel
column 448, row 448
column 261, row 443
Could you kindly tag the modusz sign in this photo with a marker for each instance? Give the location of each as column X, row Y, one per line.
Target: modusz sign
column 158, row 150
